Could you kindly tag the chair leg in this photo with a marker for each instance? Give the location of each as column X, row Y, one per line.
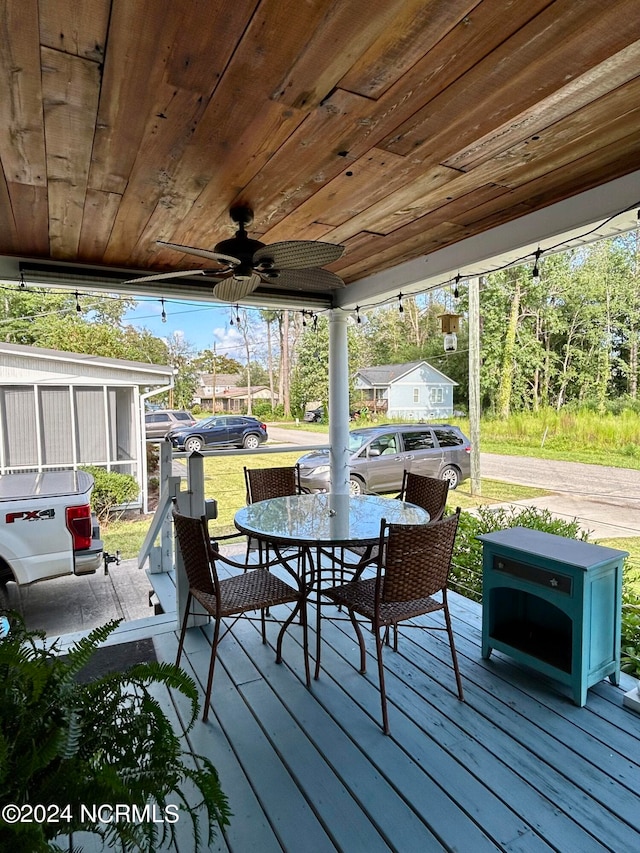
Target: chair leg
column 454, row 656
column 359, row 635
column 383, row 693
column 183, row 630
column 263, row 623
column 305, row 641
column 214, row 652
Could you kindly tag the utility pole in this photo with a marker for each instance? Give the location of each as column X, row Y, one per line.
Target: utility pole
column 213, row 400
column 474, row 382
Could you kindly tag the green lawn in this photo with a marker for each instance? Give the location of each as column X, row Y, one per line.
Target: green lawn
column 224, row 480
column 525, row 436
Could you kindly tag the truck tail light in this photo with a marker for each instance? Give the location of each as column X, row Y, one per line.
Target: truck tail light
column 79, row 525
column 467, row 449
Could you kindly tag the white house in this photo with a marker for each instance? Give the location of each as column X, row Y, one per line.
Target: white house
column 63, row 410
column 228, row 394
column 414, row 391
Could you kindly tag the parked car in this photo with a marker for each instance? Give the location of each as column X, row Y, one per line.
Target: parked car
column 219, row 431
column 157, row 424
column 312, row 416
column 380, row 454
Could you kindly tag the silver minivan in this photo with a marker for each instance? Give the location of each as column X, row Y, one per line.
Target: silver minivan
column 157, row 424
column 380, row 455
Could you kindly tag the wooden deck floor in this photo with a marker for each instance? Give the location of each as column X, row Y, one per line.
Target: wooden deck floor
column 516, row 767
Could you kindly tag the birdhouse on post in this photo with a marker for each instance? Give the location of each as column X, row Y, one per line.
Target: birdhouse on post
column 449, row 323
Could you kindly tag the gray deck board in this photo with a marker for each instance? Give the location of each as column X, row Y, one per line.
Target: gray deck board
column 516, row 767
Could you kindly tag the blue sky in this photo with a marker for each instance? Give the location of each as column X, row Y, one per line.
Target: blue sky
column 199, row 323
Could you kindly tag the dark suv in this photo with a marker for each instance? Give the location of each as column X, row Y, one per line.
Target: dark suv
column 380, row 454
column 219, row 431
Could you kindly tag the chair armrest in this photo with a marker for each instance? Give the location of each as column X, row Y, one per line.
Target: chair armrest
column 215, row 539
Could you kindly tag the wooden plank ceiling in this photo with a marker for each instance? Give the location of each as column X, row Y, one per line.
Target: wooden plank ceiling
column 394, row 127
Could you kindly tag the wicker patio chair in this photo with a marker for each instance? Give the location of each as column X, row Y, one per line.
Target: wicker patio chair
column 413, row 565
column 429, row 493
column 231, row 596
column 263, row 484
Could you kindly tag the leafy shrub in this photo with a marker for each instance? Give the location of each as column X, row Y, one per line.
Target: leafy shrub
column 153, row 457
column 111, row 490
column 68, row 741
column 262, row 410
column 466, row 576
column 630, row 641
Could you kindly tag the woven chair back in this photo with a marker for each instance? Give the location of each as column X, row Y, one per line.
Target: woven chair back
column 426, row 492
column 193, row 538
column 417, row 559
column 266, row 483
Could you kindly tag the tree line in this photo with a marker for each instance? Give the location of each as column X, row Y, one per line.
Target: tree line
column 569, row 335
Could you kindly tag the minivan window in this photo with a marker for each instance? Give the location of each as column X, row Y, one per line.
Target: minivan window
column 356, row 440
column 418, row 440
column 386, row 444
column 448, row 437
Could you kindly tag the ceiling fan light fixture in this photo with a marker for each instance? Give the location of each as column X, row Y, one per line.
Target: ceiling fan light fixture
column 243, row 263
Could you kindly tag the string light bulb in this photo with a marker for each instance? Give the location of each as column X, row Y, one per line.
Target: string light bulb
column 78, row 306
column 400, row 305
column 163, row 316
column 358, row 317
column 456, row 291
column 536, row 268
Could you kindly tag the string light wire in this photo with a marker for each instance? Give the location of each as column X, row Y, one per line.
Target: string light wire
column 380, row 303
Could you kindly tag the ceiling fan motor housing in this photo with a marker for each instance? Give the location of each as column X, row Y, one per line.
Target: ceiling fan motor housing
column 243, row 248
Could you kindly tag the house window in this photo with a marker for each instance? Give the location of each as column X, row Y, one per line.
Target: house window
column 436, row 395
column 416, row 395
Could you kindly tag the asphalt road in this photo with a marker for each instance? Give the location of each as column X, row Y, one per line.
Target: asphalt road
column 605, row 500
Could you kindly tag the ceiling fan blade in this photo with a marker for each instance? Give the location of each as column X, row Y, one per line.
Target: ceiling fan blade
column 160, row 276
column 310, row 280
column 298, row 254
column 225, row 260
column 235, row 289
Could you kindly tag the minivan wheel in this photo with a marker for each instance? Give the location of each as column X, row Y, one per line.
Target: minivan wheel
column 193, row 445
column 356, row 486
column 452, row 475
column 251, row 442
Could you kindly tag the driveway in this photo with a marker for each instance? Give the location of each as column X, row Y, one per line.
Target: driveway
column 281, row 435
column 605, row 500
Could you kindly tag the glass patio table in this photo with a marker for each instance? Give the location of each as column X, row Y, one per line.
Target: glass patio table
column 318, row 525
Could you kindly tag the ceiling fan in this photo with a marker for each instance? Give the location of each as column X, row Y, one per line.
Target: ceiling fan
column 242, row 264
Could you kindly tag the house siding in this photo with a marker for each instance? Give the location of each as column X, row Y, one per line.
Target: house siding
column 419, row 393
column 66, row 410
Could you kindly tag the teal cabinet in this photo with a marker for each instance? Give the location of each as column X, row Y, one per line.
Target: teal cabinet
column 554, row 604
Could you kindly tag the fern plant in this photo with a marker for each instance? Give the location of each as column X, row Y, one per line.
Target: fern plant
column 69, row 746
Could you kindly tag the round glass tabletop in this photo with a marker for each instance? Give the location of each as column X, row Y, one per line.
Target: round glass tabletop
column 325, row 519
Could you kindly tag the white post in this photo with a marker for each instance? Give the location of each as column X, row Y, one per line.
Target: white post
column 161, row 558
column 474, row 382
column 339, row 402
column 190, row 502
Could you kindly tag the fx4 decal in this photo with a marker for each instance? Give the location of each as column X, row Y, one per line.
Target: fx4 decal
column 30, row 515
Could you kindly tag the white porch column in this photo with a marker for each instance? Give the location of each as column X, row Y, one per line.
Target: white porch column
column 339, row 402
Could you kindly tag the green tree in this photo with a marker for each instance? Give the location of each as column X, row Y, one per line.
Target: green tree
column 209, row 362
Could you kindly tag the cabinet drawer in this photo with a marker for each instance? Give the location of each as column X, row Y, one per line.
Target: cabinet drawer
column 534, row 574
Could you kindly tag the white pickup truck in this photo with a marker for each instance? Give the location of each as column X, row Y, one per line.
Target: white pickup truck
column 47, row 528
